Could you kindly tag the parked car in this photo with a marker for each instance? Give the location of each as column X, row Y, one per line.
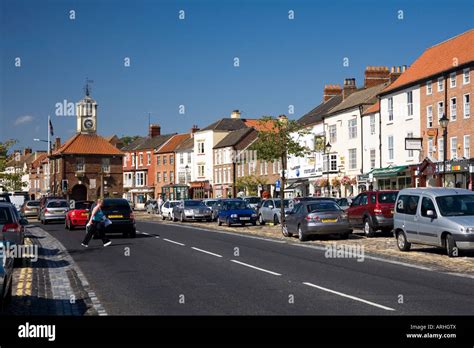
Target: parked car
column 12, row 225
column 254, row 202
column 296, row 200
column 236, row 211
column 18, row 198
column 151, row 206
column 30, row 208
column 78, row 215
column 191, row 209
column 4, row 197
column 54, row 210
column 271, row 210
column 442, row 217
column 215, row 205
column 167, row 209
column 321, row 217
column 43, row 201
column 118, row 211
column 6, row 276
column 372, row 211
column 344, row 202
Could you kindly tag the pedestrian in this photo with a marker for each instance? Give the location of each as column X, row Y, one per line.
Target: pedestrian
column 159, row 203
column 96, row 225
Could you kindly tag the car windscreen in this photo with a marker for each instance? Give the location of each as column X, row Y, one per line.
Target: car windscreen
column 58, row 204
column 237, row 205
column 322, row 206
column 456, row 205
column 286, row 203
column 253, row 200
column 82, row 205
column 33, row 203
column 387, row 197
column 193, row 204
column 5, row 215
column 116, row 205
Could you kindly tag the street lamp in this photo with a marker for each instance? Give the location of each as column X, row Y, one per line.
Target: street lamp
column 327, row 150
column 443, row 121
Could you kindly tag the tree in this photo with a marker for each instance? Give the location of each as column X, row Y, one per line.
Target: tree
column 127, row 139
column 9, row 181
column 249, row 183
column 278, row 138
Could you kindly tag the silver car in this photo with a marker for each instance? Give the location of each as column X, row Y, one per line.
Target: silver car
column 12, row 225
column 316, row 218
column 54, row 210
column 442, row 217
column 6, row 276
column 190, row 209
column 270, row 210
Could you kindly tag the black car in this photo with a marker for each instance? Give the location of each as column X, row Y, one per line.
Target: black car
column 118, row 211
column 4, row 197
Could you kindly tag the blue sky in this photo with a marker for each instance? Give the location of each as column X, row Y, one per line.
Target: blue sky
column 190, row 62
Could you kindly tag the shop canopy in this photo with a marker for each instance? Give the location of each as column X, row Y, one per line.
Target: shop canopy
column 388, row 171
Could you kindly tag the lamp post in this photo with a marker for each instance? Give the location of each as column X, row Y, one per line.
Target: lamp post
column 443, row 121
column 327, row 150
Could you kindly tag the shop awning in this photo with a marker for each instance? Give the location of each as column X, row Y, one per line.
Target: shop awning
column 388, row 171
column 292, row 184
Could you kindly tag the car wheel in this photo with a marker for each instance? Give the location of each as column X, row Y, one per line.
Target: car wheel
column 260, row 220
column 132, row 233
column 228, row 223
column 254, row 223
column 45, row 222
column 285, row 231
column 368, row 229
column 276, row 221
column 301, row 235
column 402, row 242
column 451, row 248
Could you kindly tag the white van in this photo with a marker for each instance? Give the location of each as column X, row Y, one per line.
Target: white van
column 18, row 198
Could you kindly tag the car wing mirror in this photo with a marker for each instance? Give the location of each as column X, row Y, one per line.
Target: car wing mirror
column 431, row 213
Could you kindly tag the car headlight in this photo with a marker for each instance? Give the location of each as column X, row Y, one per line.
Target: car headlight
column 343, row 216
column 234, row 216
column 466, row 229
column 254, row 215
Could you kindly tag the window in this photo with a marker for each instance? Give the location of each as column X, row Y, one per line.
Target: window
column 390, row 109
column 452, row 80
column 265, row 168
column 429, row 116
column 467, row 146
column 407, row 204
column 200, row 147
column 189, row 158
column 148, row 158
column 165, row 160
column 352, row 158
column 453, row 147
column 158, row 160
column 465, row 76
column 373, row 199
column 171, row 176
column 201, row 170
column 171, row 159
column 127, row 179
column 141, row 160
column 410, row 103
column 140, row 179
column 452, row 109
column 125, row 160
column 441, row 149
column 440, row 84
column 440, row 109
column 467, row 105
column 390, row 148
column 430, row 147
column 133, row 159
column 410, row 152
column 429, row 88
column 372, row 124
column 106, row 165
column 372, row 158
column 181, row 158
column 364, row 199
column 80, row 164
column 426, row 204
column 158, row 177
column 261, row 168
column 332, row 162
column 165, row 176
column 352, row 128
column 332, row 134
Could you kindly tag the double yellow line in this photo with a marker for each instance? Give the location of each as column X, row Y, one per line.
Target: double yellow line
column 26, row 278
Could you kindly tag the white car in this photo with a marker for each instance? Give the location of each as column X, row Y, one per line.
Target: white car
column 167, row 209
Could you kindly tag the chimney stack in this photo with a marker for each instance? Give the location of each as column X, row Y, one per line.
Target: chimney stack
column 331, row 91
column 57, row 143
column 154, row 130
column 376, row 75
column 235, row 114
column 27, row 151
column 395, row 72
column 349, row 87
column 194, row 129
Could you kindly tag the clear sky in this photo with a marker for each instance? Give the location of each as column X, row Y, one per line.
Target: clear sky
column 190, row 62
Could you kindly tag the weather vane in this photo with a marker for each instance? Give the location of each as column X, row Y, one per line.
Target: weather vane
column 87, row 88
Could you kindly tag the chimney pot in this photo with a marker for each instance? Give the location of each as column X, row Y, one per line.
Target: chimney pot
column 349, row 87
column 194, row 129
column 57, row 143
column 330, row 91
column 235, row 114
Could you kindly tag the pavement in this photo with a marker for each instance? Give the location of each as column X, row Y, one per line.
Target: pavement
column 185, row 269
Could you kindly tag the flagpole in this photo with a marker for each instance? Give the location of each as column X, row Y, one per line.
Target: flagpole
column 49, row 153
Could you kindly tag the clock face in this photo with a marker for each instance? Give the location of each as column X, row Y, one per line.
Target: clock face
column 88, row 123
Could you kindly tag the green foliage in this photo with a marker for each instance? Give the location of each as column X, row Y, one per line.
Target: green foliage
column 4, row 148
column 126, row 140
column 249, row 183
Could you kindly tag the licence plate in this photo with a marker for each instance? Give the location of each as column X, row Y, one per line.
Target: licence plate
column 84, row 214
column 115, row 216
column 328, row 220
column 244, row 218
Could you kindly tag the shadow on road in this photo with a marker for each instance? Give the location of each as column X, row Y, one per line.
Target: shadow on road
column 32, row 305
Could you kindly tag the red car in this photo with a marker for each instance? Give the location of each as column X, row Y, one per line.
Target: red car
column 372, row 211
column 79, row 215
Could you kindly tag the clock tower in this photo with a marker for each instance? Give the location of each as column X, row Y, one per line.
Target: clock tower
column 86, row 113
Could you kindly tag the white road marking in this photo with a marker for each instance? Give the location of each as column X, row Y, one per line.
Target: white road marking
column 349, row 296
column 205, row 251
column 139, row 232
column 257, row 268
column 157, row 237
column 145, row 233
column 172, row 241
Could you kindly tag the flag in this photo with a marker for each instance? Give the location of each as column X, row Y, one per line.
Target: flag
column 51, row 130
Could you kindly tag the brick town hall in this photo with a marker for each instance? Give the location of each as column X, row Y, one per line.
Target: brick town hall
column 87, row 166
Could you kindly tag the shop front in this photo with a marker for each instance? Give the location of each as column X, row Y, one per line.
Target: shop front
column 426, row 174
column 458, row 173
column 174, row 192
column 297, row 188
column 392, row 178
column 201, row 190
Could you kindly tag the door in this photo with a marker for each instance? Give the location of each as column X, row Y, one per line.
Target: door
column 293, row 218
column 361, row 209
column 408, row 204
column 428, row 228
column 267, row 209
column 352, row 211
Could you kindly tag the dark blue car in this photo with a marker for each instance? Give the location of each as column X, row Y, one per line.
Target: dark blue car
column 236, row 211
